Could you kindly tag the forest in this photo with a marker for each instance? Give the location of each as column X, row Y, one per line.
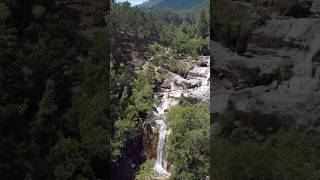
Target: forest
column 54, row 94
column 165, row 37
column 71, row 110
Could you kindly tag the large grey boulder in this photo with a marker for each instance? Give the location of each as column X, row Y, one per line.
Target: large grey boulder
column 219, row 102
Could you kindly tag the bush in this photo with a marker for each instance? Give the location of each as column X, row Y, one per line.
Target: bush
column 168, row 60
column 287, row 154
column 146, row 171
column 226, row 120
column 186, row 40
column 188, row 143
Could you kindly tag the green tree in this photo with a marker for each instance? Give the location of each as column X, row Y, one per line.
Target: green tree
column 146, row 171
column 188, row 143
column 143, row 92
column 69, row 162
column 203, row 24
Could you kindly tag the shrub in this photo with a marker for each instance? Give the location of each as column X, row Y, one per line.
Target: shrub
column 188, row 143
column 226, row 120
column 287, row 154
column 146, row 171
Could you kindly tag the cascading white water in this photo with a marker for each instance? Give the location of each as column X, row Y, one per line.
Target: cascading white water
column 169, row 99
column 161, row 161
column 302, row 70
column 303, row 65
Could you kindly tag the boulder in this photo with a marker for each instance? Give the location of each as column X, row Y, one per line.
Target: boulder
column 219, row 102
column 199, row 72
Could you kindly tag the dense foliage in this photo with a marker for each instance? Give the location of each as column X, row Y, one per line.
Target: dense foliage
column 54, row 99
column 174, row 4
column 189, row 141
column 258, row 147
column 186, row 33
column 287, row 154
column 170, row 37
column 61, row 115
column 132, row 107
column 145, row 172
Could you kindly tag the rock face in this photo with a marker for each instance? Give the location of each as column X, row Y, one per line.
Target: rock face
column 277, row 75
column 195, row 86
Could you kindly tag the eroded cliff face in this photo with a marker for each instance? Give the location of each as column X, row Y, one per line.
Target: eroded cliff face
column 91, row 13
column 276, row 81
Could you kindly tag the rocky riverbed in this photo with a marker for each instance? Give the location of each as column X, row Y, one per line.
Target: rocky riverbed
column 277, row 76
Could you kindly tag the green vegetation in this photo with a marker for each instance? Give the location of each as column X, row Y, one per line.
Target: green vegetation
column 54, row 107
column 132, row 107
column 287, row 154
column 174, row 4
column 188, row 142
column 126, row 19
column 171, row 37
column 232, row 29
column 168, row 59
column 253, row 147
column 61, row 115
column 146, row 171
column 186, row 40
column 258, row 145
column 172, row 29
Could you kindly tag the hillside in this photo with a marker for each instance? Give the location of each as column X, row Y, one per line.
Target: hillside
column 265, row 89
column 180, row 5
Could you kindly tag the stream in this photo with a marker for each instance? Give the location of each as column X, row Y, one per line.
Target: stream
column 195, row 86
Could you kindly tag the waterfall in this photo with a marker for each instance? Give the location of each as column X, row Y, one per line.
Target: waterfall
column 303, row 65
column 161, row 161
column 302, row 70
column 170, row 98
